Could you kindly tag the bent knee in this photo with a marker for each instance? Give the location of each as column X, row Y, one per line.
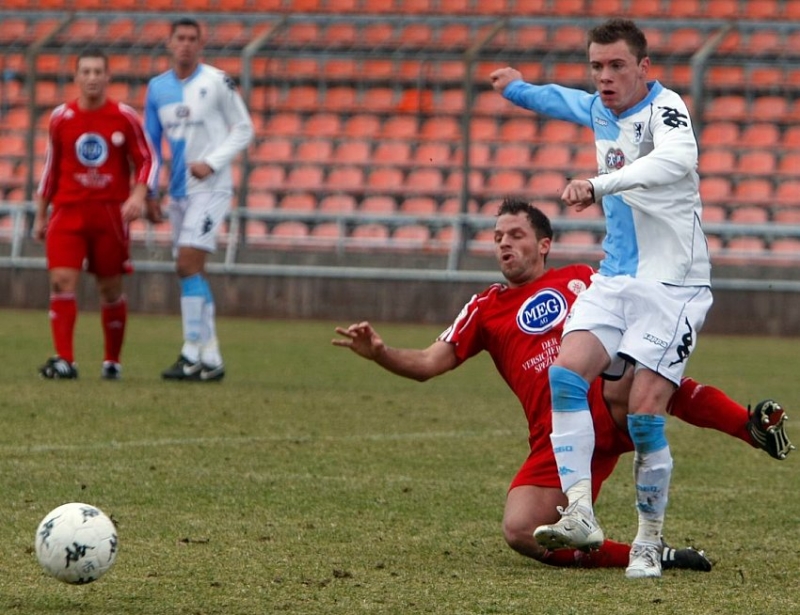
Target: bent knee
column 521, row 540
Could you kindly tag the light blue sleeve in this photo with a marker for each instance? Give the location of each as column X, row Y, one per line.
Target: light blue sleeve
column 552, row 100
column 152, row 123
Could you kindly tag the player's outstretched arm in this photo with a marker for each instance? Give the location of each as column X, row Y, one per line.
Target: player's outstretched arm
column 417, row 364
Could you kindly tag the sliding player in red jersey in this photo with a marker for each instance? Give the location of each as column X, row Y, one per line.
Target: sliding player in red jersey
column 520, row 325
column 95, row 145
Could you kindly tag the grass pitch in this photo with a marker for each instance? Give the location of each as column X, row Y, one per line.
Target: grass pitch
column 311, row 481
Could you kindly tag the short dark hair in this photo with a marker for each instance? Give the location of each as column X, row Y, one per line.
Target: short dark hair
column 185, row 21
column 617, row 29
column 539, row 221
column 92, row 52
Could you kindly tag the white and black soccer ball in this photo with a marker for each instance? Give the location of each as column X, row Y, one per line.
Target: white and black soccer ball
column 76, row 543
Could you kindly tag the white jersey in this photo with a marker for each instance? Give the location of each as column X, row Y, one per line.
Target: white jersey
column 647, row 180
column 204, row 120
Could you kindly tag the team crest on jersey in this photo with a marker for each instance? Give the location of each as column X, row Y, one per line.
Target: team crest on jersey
column 542, row 311
column 91, row 149
column 182, row 111
column 576, row 286
column 615, row 158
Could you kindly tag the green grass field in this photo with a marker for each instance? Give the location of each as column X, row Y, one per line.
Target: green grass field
column 311, row 482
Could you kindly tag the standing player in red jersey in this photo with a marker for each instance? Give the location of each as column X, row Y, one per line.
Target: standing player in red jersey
column 93, row 144
column 520, row 324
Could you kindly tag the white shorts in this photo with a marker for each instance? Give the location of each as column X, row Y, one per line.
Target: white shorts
column 196, row 220
column 642, row 321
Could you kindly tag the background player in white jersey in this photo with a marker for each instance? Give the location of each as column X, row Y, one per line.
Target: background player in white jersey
column 651, row 295
column 197, row 108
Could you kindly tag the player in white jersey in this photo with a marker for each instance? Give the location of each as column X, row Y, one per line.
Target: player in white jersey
column 652, row 292
column 197, row 108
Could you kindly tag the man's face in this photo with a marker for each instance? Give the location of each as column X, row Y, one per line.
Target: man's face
column 618, row 77
column 519, row 253
column 185, row 46
column 91, row 77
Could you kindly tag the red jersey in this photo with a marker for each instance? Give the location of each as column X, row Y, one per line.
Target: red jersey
column 521, row 329
column 90, row 153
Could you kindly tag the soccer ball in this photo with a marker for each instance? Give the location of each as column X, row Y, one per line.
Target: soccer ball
column 76, row 543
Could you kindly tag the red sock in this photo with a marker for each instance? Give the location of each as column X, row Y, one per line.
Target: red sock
column 63, row 314
column 704, row 406
column 610, row 555
column 114, row 317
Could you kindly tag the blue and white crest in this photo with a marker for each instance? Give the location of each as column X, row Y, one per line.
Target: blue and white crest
column 542, row 311
column 91, row 149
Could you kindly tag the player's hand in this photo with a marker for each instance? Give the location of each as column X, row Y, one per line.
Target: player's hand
column 39, row 229
column 503, row 76
column 153, row 211
column 200, row 170
column 133, row 208
column 362, row 339
column 579, row 194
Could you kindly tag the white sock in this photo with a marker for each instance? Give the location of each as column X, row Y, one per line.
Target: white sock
column 209, row 353
column 192, row 317
column 651, row 474
column 573, row 447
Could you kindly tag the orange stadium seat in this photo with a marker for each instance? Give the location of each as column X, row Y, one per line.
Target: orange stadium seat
column 452, row 205
column 719, row 9
column 756, row 162
column 786, row 245
column 337, row 203
column 726, row 76
column 412, row 234
column 418, row 206
column 378, row 204
column 362, row 126
column 285, row 123
column 761, row 134
column 315, row 150
column 455, row 179
column 424, row 179
column 749, row 215
column 791, row 137
column 789, row 164
column 400, row 127
column 505, row 181
column 483, row 128
column 432, row 153
column 762, row 42
column 392, row 152
column 345, row 178
column 715, row 189
column 547, row 185
column 720, row 133
column 379, row 100
column 714, row 213
column 298, row 201
column 267, row 177
column 305, row 177
column 606, row 8
column 274, row 149
column 552, row 156
column 441, row 128
column 371, row 232
column 716, row 161
column 512, row 155
column 762, row 9
column 479, row 155
column 788, row 193
column 257, row 199
column 352, row 152
column 685, row 40
column 385, row 178
column 746, row 244
column 729, row 108
column 322, row 125
column 290, row 229
column 753, row 191
column 519, row 129
column 557, row 131
column 567, row 37
column 770, row 108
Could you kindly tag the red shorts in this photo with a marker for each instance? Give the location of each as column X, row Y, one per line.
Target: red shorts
column 93, row 233
column 539, row 469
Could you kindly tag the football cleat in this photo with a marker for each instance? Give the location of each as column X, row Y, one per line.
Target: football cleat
column 212, row 374
column 577, row 529
column 111, row 371
column 183, row 369
column 688, row 558
column 644, row 561
column 57, row 368
column 767, row 427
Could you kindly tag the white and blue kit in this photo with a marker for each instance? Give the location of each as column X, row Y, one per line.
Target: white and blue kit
column 651, row 294
column 203, row 119
column 647, row 179
column 655, row 251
